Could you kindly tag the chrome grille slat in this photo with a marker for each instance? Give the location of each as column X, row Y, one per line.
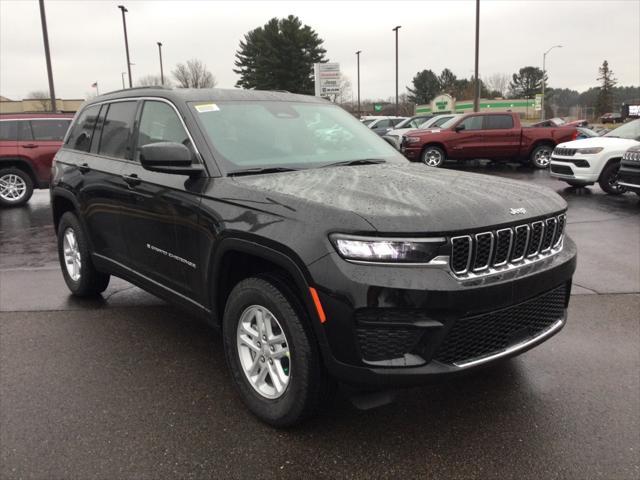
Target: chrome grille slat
column 486, row 252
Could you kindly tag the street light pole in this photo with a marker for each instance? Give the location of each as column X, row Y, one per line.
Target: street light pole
column 544, row 74
column 161, row 71
column 126, row 42
column 47, row 54
column 396, row 30
column 476, row 95
column 358, row 56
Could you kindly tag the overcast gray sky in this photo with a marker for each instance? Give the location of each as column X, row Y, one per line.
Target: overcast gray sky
column 87, row 42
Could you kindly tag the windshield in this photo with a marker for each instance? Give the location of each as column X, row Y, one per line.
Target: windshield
column 268, row 134
column 368, row 122
column 629, row 131
column 450, row 121
column 413, row 122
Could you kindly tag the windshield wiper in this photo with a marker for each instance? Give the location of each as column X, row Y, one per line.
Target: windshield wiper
column 259, row 170
column 348, row 163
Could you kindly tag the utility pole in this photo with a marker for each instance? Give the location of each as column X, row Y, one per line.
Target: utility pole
column 476, row 96
column 544, row 74
column 358, row 56
column 47, row 54
column 396, row 30
column 161, row 71
column 122, row 74
column 126, row 42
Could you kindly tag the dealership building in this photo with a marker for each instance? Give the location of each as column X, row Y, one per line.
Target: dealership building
column 38, row 105
column 447, row 104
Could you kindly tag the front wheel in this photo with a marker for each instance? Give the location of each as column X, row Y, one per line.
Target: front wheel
column 75, row 260
column 433, row 156
column 272, row 353
column 541, row 156
column 609, row 179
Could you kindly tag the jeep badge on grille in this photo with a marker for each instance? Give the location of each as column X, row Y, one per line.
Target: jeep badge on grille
column 517, row 211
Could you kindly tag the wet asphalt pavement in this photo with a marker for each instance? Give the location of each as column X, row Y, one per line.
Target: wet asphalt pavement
column 129, row 387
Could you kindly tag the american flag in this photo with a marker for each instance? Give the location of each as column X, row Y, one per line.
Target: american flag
column 94, row 85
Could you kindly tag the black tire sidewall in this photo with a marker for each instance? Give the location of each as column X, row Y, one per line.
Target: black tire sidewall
column 91, row 282
column 296, row 402
column 609, row 170
column 28, row 182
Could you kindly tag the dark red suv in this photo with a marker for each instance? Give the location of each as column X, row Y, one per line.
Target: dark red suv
column 28, row 142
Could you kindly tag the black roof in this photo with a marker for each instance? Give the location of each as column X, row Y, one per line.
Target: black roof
column 206, row 94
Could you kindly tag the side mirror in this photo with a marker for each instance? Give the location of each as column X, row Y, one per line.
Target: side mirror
column 168, row 157
column 460, row 128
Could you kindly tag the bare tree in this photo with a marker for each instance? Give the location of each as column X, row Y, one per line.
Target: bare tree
column 498, row 82
column 42, row 97
column 152, row 81
column 194, row 74
column 345, row 95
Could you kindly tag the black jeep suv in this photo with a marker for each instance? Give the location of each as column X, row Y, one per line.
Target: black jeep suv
column 320, row 252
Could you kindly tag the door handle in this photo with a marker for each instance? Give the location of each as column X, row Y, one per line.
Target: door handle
column 84, row 168
column 30, row 145
column 132, row 180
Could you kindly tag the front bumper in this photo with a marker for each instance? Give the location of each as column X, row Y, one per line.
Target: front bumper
column 398, row 326
column 570, row 168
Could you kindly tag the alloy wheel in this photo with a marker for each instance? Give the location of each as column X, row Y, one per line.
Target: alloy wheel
column 543, row 157
column 71, row 252
column 432, row 158
column 12, row 187
column 263, row 351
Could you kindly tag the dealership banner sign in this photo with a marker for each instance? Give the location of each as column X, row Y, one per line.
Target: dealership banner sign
column 327, row 78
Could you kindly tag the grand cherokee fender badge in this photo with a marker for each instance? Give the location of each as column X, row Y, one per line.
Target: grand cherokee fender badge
column 517, row 211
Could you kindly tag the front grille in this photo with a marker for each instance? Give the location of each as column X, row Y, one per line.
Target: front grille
column 561, row 169
column 565, row 152
column 378, row 343
column 480, row 336
column 494, row 249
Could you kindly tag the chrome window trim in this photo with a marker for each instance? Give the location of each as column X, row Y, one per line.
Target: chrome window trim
column 484, row 267
column 526, row 242
column 513, row 348
column 511, row 235
column 537, row 250
column 470, row 243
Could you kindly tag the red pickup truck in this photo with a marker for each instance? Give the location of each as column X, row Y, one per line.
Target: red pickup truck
column 496, row 136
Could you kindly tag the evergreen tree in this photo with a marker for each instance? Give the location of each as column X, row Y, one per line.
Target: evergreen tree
column 279, row 56
column 425, row 87
column 607, row 81
column 526, row 83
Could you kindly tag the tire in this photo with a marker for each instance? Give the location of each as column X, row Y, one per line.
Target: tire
column 608, row 180
column 433, row 156
column 75, row 260
column 304, row 384
column 541, row 156
column 16, row 187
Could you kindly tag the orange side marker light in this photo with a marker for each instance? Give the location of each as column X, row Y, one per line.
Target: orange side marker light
column 316, row 301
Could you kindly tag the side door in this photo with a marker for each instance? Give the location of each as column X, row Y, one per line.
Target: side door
column 502, row 140
column 97, row 181
column 47, row 136
column 467, row 143
column 162, row 210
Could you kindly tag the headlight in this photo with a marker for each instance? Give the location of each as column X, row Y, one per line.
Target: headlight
column 386, row 250
column 410, row 140
column 589, row 151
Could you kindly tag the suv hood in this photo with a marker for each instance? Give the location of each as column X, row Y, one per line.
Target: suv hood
column 410, row 198
column 604, row 142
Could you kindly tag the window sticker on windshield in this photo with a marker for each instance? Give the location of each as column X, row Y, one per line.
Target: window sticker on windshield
column 207, row 107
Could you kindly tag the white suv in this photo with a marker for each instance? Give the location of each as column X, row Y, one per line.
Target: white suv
column 596, row 159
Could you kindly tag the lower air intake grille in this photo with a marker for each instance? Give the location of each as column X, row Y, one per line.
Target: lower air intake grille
column 484, row 335
column 378, row 343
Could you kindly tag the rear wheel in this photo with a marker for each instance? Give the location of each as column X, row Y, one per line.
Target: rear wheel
column 272, row 353
column 609, row 179
column 16, row 187
column 541, row 156
column 75, row 260
column 433, row 156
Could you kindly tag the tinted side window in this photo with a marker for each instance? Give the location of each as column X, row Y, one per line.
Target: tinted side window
column 24, row 131
column 52, row 130
column 8, row 131
column 160, row 123
column 473, row 123
column 383, row 123
column 116, row 131
column 496, row 122
column 82, row 130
